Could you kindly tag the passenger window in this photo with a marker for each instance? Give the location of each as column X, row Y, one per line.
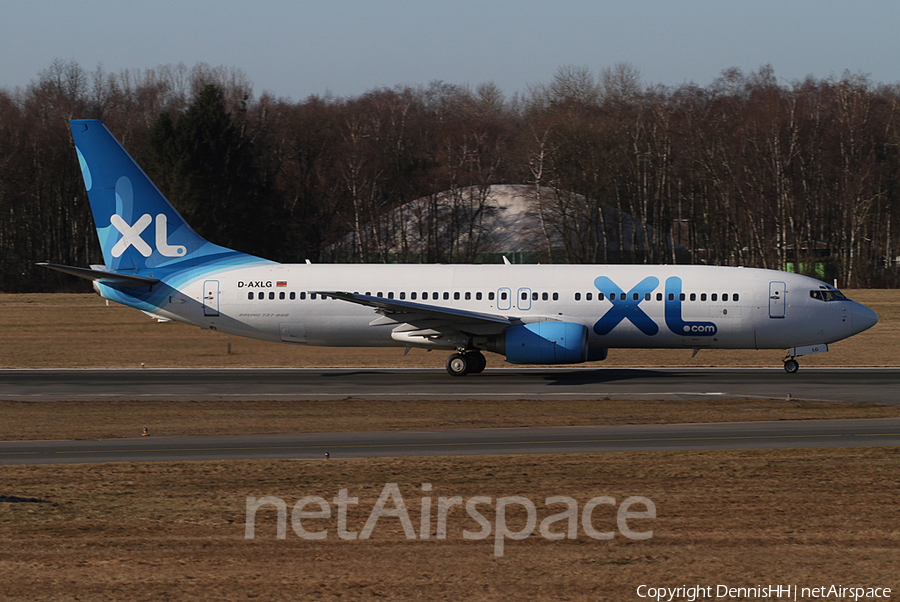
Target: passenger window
column 272, row 296
column 260, row 295
column 303, row 296
column 545, row 297
column 659, row 296
column 703, row 296
column 390, row 294
column 635, row 297
column 556, row 296
column 503, row 296
column 490, row 296
column 293, row 296
column 281, row 295
column 646, row 296
column 478, row 296
column 612, row 296
column 671, row 296
column 456, row 296
column 681, row 297
column 380, row 294
column 724, row 296
column 693, row 296
column 734, row 297
column 446, row 296
column 714, row 297
column 534, row 296
column 588, row 297
column 600, row 296
column 403, row 295
column 578, row 296
column 412, row 296
column 312, row 296
column 250, row 295
column 468, row 296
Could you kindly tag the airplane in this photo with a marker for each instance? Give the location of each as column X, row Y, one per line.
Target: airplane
column 530, row 314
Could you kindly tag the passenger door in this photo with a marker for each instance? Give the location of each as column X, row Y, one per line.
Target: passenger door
column 211, row 298
column 776, row 299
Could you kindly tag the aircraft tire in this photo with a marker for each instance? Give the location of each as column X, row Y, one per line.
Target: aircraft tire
column 458, row 364
column 477, row 361
column 791, row 366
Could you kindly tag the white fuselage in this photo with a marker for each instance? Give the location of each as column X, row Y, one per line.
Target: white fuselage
column 663, row 306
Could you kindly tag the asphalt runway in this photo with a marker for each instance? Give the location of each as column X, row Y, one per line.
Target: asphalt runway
column 870, row 385
column 867, row 385
column 464, row 442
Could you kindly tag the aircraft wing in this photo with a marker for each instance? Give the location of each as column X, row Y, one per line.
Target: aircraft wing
column 424, row 316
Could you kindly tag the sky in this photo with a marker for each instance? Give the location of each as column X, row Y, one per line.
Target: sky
column 294, row 49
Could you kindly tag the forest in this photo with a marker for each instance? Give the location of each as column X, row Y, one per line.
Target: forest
column 746, row 171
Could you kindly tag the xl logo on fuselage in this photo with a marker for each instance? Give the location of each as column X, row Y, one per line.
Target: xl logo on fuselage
column 626, row 306
column 131, row 237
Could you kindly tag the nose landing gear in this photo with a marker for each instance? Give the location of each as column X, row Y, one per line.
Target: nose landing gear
column 791, row 365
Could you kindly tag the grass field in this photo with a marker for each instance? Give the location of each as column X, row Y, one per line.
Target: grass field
column 175, row 531
column 113, row 418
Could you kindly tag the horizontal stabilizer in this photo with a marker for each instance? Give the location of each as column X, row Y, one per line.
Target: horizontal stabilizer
column 110, row 278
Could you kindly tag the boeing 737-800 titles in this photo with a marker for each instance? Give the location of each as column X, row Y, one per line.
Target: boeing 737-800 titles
column 531, row 314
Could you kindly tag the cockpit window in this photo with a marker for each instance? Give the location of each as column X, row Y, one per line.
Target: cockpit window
column 826, row 295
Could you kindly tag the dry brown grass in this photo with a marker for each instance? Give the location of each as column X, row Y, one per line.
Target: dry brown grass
column 81, row 331
column 176, row 531
column 110, row 419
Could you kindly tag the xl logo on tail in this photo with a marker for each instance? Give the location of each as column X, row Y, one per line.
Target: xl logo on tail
column 131, row 237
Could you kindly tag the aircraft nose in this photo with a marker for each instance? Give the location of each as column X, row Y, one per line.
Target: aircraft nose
column 862, row 318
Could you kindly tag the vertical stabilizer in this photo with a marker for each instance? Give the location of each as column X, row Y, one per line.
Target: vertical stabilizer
column 138, row 228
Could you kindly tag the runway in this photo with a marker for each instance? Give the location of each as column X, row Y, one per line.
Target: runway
column 867, row 385
column 464, row 442
column 871, row 385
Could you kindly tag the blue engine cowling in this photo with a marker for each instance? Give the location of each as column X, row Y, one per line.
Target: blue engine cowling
column 546, row 343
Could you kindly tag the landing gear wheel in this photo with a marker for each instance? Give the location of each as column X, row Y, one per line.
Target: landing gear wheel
column 458, row 364
column 791, row 366
column 477, row 362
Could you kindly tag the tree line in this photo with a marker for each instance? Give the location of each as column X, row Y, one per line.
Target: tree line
column 745, row 171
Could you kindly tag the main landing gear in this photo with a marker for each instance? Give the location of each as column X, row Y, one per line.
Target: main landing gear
column 470, row 362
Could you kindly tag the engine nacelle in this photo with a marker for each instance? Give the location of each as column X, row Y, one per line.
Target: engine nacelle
column 545, row 343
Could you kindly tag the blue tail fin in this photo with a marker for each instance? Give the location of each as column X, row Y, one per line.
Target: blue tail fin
column 138, row 228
